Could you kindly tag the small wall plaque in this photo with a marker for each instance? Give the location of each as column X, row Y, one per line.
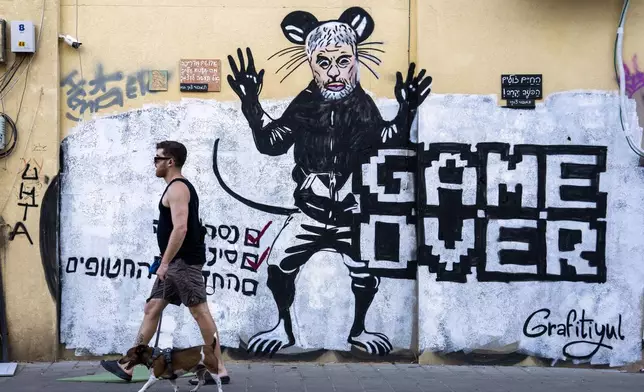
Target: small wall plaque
column 198, row 75
column 521, row 103
column 158, row 80
column 521, row 90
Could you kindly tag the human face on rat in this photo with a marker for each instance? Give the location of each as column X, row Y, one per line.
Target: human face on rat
column 335, row 70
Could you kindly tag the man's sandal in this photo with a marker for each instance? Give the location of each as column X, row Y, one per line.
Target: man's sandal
column 114, row 368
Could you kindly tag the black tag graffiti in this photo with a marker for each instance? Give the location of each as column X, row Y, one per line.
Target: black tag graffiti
column 31, row 201
column 27, row 199
column 591, row 336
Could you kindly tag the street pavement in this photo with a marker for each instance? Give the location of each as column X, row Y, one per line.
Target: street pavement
column 343, row 377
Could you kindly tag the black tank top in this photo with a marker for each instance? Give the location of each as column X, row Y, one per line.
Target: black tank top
column 193, row 249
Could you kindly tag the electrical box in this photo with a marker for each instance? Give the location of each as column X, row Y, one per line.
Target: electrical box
column 23, row 36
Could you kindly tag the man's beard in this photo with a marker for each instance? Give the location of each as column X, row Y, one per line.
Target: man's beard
column 330, row 95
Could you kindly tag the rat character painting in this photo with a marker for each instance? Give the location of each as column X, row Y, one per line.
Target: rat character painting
column 331, row 124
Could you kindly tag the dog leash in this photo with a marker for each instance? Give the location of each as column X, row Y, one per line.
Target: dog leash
column 156, row 343
column 167, row 353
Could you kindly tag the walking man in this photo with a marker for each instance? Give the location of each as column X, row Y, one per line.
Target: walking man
column 181, row 243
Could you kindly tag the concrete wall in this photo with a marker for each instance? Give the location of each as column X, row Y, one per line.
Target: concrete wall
column 108, row 193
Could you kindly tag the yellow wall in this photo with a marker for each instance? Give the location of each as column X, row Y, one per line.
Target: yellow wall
column 464, row 45
column 468, row 44
column 31, row 309
column 157, row 34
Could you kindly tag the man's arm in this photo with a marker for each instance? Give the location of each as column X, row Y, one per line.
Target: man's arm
column 178, row 198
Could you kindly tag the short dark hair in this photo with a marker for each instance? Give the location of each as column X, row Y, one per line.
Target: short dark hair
column 174, row 149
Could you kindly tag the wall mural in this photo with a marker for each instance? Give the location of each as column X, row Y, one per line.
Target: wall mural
column 331, row 217
column 331, row 125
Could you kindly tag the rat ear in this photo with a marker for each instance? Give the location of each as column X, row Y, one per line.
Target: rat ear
column 360, row 20
column 297, row 25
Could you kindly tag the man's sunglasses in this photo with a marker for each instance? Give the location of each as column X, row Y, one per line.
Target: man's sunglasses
column 157, row 159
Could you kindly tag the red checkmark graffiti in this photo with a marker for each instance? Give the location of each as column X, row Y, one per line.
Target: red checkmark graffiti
column 255, row 240
column 255, row 266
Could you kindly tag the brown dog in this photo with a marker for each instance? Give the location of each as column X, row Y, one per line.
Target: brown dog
column 173, row 363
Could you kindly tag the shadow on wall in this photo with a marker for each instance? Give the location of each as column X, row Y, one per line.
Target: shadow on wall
column 400, row 356
column 503, row 357
column 49, row 237
column 48, row 254
column 476, row 357
column 4, row 348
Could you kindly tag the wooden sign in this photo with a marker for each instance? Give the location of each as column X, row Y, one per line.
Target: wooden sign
column 200, row 75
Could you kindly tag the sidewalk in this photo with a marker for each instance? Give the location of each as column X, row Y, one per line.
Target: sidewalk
column 343, row 377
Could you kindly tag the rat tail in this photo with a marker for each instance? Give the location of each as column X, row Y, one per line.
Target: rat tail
column 257, row 206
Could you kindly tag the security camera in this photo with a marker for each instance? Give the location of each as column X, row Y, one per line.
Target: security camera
column 71, row 41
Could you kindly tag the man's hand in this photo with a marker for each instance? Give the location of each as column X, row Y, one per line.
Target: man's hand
column 162, row 271
column 246, row 82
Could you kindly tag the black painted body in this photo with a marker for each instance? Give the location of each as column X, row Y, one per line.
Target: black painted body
column 329, row 137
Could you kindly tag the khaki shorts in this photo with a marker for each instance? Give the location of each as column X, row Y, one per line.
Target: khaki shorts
column 184, row 284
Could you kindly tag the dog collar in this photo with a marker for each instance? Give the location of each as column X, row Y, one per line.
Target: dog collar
column 155, row 354
column 167, row 355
